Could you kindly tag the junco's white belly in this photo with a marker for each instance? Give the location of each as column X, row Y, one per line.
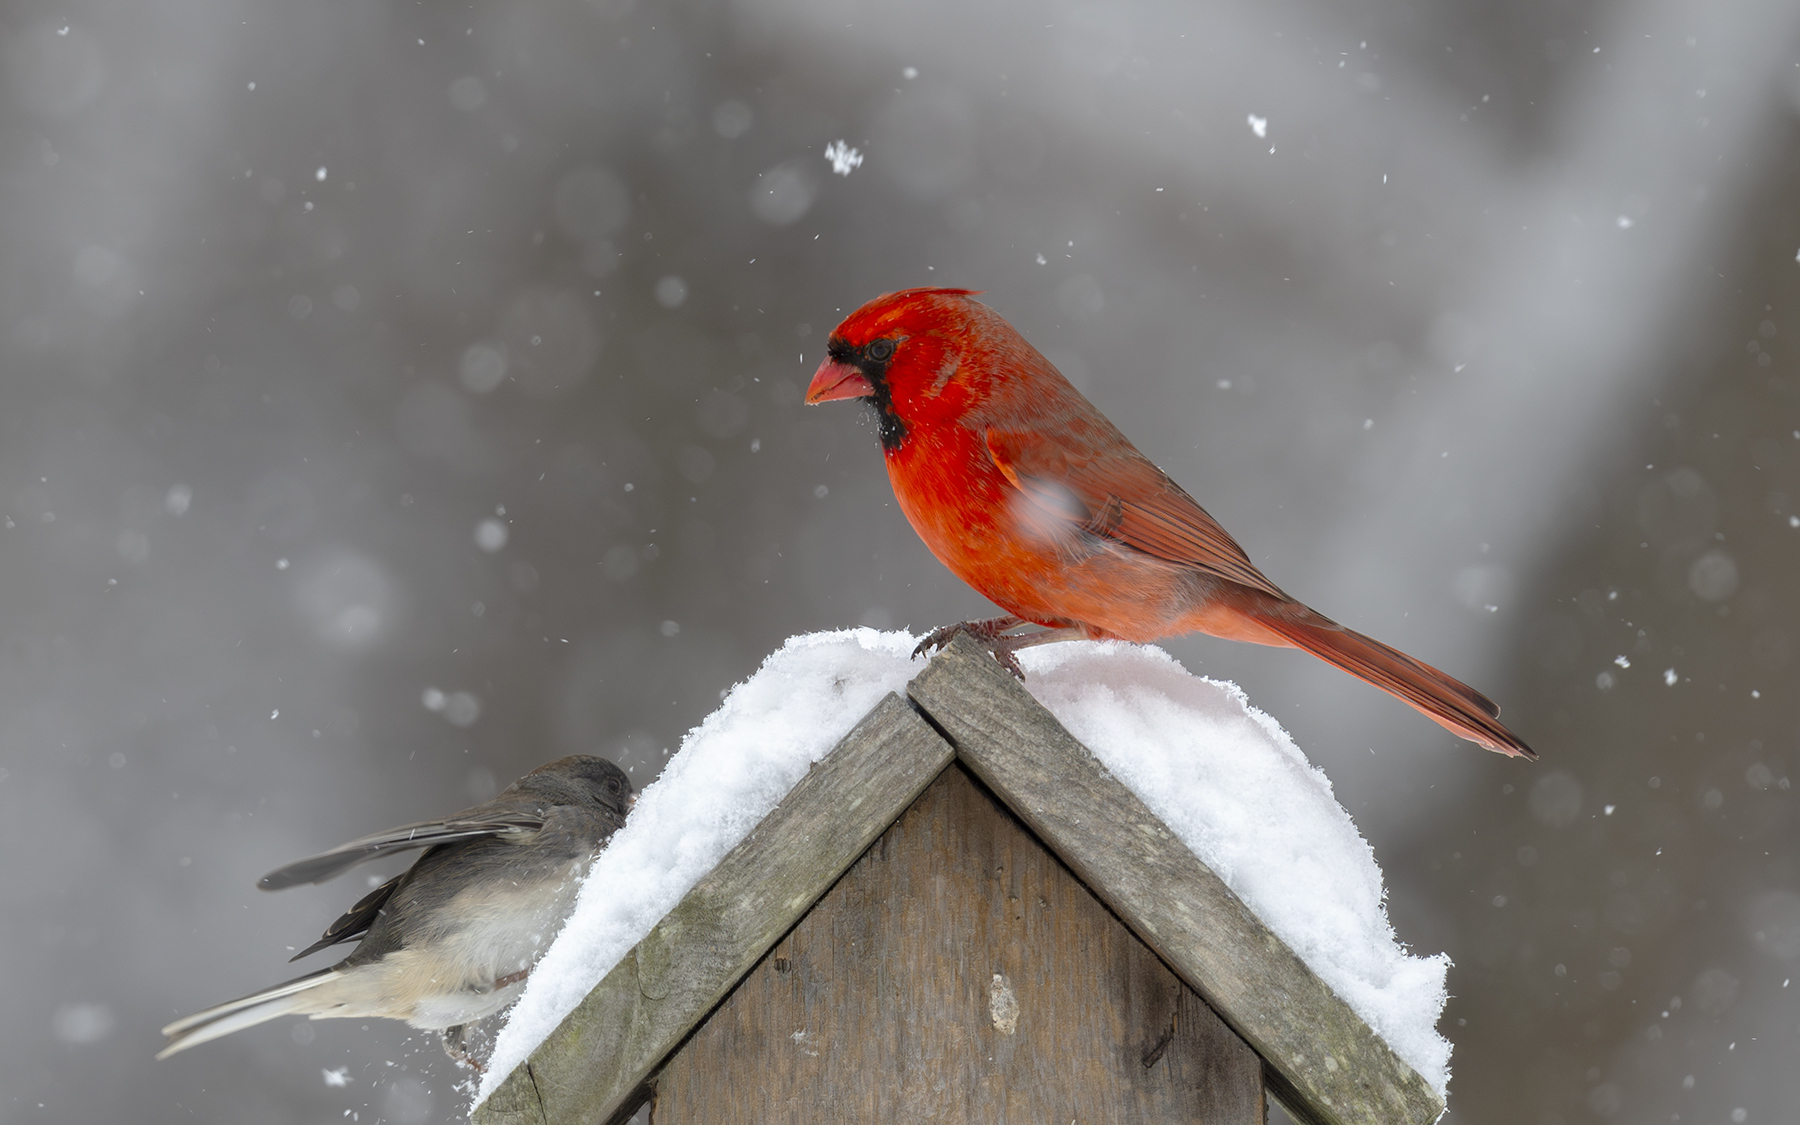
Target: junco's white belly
column 469, row 972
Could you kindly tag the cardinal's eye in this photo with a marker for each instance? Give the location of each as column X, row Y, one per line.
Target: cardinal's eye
column 881, row 351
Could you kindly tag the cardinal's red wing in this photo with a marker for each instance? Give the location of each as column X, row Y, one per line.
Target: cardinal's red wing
column 1122, row 497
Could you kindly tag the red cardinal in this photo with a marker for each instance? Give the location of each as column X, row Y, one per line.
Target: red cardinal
column 1025, row 490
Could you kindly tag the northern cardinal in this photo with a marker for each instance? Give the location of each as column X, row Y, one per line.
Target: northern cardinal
column 1023, row 489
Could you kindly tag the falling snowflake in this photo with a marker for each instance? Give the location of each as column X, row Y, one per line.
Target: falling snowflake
column 490, row 535
column 460, row 707
column 1259, row 125
column 844, row 159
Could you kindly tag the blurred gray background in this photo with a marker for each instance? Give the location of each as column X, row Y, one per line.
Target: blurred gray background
column 396, row 396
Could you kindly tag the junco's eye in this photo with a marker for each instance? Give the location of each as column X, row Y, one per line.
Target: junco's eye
column 881, row 351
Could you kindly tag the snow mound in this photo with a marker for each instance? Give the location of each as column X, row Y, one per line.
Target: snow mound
column 1232, row 785
column 731, row 771
column 1224, row 776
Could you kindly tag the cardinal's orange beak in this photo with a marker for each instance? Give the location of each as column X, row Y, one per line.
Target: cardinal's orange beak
column 834, row 380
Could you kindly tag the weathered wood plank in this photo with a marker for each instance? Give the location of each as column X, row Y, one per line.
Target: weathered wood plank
column 960, row 973
column 1325, row 1064
column 597, row 1060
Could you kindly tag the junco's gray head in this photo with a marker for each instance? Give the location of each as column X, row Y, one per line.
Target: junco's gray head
column 450, row 939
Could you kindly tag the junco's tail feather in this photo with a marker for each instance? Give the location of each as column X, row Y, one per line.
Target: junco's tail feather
column 246, row 1011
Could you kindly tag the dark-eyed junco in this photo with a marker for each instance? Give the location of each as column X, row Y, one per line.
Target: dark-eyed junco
column 450, row 939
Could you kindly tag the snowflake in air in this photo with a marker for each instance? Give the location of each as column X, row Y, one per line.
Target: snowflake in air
column 844, row 159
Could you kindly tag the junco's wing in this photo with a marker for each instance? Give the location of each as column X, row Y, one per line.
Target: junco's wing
column 481, row 821
column 355, row 921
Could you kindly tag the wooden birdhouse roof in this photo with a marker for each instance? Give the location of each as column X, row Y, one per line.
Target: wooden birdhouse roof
column 963, row 718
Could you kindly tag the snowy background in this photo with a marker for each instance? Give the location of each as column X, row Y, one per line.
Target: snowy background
column 398, row 396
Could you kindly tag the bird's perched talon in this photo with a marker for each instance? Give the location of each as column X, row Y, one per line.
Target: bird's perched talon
column 987, row 632
column 933, row 641
column 992, row 634
column 457, row 1047
column 1005, row 658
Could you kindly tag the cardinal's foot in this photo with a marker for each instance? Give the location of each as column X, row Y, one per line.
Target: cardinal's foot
column 995, row 635
column 990, row 634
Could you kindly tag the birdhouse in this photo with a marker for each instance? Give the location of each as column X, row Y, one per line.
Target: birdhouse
column 960, row 915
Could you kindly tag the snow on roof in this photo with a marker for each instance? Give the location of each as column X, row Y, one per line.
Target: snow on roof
column 1222, row 775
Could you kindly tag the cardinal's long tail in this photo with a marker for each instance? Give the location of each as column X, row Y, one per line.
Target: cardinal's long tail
column 1448, row 701
column 247, row 1011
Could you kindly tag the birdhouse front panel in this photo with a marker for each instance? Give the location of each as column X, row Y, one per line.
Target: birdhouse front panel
column 960, row 972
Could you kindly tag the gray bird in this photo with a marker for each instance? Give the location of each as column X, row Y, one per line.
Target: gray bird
column 452, row 938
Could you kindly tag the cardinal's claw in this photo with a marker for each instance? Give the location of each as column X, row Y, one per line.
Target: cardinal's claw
column 933, row 641
column 990, row 634
column 1003, row 655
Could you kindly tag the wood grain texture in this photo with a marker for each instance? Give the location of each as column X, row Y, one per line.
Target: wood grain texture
column 960, row 973
column 1325, row 1064
column 594, row 1065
